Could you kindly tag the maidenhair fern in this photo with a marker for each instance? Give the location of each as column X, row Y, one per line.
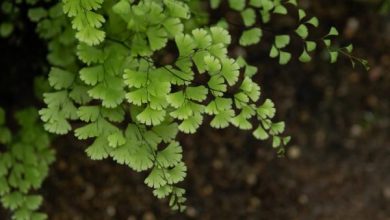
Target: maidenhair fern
column 24, row 164
column 111, row 86
column 255, row 24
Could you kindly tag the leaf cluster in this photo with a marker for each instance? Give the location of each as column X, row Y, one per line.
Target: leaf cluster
column 24, row 165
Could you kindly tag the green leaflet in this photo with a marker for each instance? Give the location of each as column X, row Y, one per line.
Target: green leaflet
column 280, row 9
column 220, row 35
column 170, row 156
column 176, row 99
column 177, row 173
column 310, row 46
column 222, row 119
column 88, row 113
column 92, row 75
column 99, row 149
column 267, row 109
column 212, row 64
column 138, row 157
column 284, row 57
column 218, row 104
column 198, row 93
column 201, row 38
column 162, row 191
column 156, row 178
column 157, row 38
column 167, row 131
column 60, row 110
column 260, row 133
column 282, row 41
column 183, row 111
column 85, row 21
column 185, row 44
column 305, row 57
column 60, row 79
column 110, row 92
column 191, row 124
column 237, row 4
column 6, row 29
column 173, row 26
column 36, row 14
column 248, row 16
column 116, row 139
column 89, row 54
column 150, row 116
column 250, row 37
column 242, row 119
column 313, row 21
column 302, row 31
column 230, row 71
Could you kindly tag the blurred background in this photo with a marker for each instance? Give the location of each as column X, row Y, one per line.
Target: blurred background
column 336, row 167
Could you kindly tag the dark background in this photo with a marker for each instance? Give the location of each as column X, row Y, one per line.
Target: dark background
column 336, row 167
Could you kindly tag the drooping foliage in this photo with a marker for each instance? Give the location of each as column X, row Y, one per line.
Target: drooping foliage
column 130, row 75
column 24, row 163
column 133, row 106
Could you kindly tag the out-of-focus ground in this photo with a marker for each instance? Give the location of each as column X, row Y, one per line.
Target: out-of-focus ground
column 337, row 166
